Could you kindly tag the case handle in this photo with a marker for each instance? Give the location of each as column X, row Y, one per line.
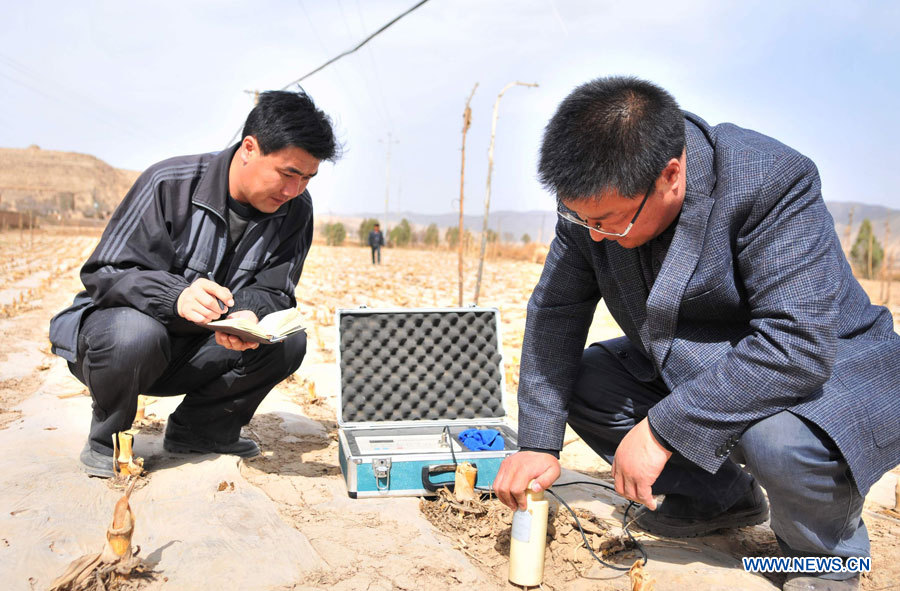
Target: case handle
column 429, row 471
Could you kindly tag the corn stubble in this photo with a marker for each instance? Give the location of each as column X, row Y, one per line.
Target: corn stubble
column 126, row 464
column 117, row 566
column 640, row 580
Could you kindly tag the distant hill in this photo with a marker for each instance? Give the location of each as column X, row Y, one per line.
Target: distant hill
column 60, row 183
column 73, row 185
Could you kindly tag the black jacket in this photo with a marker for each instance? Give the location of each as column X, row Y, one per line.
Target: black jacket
column 170, row 229
column 376, row 239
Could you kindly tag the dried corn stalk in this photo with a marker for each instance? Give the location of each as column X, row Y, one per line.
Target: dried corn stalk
column 126, row 464
column 143, row 403
column 464, row 487
column 640, row 580
column 115, row 563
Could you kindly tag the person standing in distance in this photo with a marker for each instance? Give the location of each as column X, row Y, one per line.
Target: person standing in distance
column 376, row 241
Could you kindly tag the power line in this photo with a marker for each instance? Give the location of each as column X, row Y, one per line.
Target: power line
column 362, row 74
column 375, row 73
column 325, row 51
column 349, row 51
column 55, row 91
column 346, row 53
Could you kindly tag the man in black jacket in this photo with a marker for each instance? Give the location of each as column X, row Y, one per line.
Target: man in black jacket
column 196, row 238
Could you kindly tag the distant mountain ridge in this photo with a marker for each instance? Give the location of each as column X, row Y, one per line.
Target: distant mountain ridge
column 67, row 184
column 70, row 184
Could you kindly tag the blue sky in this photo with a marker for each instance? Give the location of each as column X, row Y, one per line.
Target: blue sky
column 135, row 82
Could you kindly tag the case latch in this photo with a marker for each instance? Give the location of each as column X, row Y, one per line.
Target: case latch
column 381, row 467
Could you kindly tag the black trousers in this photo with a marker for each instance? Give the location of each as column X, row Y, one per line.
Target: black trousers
column 123, row 352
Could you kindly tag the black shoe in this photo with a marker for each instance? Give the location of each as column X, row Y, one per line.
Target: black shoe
column 180, row 439
column 96, row 463
column 751, row 509
column 801, row 582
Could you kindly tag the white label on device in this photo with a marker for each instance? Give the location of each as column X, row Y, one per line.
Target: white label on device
column 521, row 526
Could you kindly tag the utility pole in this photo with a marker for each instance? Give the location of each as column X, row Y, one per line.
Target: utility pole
column 467, row 121
column 487, row 197
column 387, row 187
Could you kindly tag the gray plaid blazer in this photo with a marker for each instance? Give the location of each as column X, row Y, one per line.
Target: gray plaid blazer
column 754, row 311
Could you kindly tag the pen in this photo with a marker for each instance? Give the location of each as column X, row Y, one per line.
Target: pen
column 222, row 306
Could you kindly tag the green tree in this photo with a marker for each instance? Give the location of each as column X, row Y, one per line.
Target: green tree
column 859, row 254
column 526, row 238
column 335, row 234
column 491, row 236
column 452, row 237
column 432, row 235
column 401, row 234
column 365, row 227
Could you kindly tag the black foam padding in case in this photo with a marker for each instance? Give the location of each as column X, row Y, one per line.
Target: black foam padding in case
column 403, row 366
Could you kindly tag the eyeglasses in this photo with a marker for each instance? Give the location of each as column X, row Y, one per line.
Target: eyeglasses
column 571, row 217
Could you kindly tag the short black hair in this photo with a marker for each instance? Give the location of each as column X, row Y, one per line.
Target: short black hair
column 283, row 119
column 614, row 133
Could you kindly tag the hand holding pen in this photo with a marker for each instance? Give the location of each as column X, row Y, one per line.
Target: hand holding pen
column 204, row 300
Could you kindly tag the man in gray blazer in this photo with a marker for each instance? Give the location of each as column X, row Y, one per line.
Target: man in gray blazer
column 747, row 339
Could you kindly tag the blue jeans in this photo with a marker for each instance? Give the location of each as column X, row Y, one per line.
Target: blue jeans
column 815, row 507
column 123, row 352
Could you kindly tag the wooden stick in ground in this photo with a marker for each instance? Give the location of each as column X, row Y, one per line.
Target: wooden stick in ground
column 464, row 487
column 487, row 197
column 467, row 121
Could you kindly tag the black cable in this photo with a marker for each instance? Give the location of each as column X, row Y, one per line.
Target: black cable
column 349, row 51
column 637, row 545
column 584, row 537
column 450, row 441
column 605, row 485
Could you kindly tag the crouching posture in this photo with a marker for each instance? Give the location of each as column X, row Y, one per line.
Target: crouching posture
column 752, row 359
column 195, row 239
